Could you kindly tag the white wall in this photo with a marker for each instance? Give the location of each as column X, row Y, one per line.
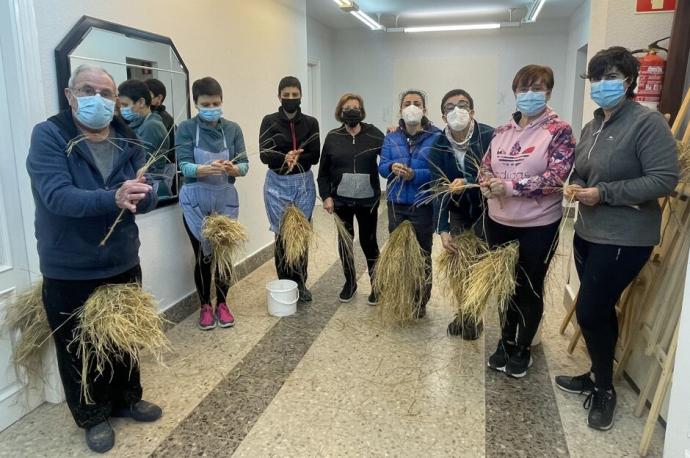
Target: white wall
column 578, row 35
column 320, row 47
column 248, row 47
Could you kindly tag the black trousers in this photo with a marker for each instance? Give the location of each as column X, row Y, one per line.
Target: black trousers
column 120, row 385
column 202, row 273
column 422, row 220
column 367, row 220
column 297, row 274
column 526, row 307
column 605, row 271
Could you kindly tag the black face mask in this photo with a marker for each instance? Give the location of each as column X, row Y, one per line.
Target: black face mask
column 352, row 117
column 290, row 105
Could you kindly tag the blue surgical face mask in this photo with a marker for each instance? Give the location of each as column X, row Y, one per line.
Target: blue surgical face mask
column 210, row 114
column 531, row 103
column 129, row 114
column 94, row 111
column 607, row 93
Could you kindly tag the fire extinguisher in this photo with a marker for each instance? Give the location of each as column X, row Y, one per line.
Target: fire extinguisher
column 651, row 76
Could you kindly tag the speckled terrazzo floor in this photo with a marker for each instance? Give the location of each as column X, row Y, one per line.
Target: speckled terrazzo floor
column 330, row 381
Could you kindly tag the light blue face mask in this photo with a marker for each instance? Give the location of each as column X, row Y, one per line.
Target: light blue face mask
column 129, row 115
column 94, row 111
column 531, row 103
column 210, row 114
column 607, row 93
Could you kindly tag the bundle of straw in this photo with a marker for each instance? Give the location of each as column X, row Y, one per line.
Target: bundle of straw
column 399, row 276
column 345, row 241
column 226, row 236
column 26, row 315
column 492, row 274
column 684, row 161
column 296, row 234
column 115, row 325
column 453, row 268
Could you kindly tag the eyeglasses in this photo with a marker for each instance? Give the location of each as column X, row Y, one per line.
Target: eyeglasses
column 88, row 91
column 451, row 106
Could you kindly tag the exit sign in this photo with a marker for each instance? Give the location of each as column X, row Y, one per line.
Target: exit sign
column 655, row 6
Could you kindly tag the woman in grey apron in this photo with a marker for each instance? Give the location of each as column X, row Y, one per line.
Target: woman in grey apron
column 349, row 185
column 289, row 145
column 211, row 153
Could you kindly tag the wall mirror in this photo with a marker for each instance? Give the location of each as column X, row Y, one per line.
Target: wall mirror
column 128, row 53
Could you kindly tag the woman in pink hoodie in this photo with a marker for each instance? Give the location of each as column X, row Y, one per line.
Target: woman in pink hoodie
column 523, row 171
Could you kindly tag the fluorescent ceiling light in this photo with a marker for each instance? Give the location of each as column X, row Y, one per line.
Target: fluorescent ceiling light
column 368, row 21
column 343, row 3
column 451, row 28
column 534, row 11
column 451, row 12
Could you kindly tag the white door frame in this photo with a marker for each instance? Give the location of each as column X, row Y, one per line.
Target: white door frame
column 25, row 93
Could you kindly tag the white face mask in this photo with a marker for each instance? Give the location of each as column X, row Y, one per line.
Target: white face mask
column 458, row 119
column 412, row 115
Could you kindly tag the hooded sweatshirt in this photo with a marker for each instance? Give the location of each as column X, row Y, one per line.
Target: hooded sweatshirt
column 534, row 162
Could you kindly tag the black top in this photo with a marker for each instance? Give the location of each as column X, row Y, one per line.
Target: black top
column 279, row 135
column 343, row 153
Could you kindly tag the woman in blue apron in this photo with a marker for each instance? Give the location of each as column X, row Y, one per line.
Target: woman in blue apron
column 289, row 145
column 211, row 154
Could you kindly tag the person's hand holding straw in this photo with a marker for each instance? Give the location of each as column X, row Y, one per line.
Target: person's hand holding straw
column 448, row 243
column 230, row 169
column 586, row 196
column 328, row 205
column 131, row 193
column 292, row 157
column 457, row 186
column 215, row 168
column 403, row 171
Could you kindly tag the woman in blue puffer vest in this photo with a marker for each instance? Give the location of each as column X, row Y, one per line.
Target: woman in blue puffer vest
column 405, row 153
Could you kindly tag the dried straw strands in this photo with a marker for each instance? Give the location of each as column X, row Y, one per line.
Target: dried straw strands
column 226, row 236
column 296, row 234
column 117, row 323
column 399, row 276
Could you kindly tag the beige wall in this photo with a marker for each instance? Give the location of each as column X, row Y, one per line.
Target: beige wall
column 248, row 46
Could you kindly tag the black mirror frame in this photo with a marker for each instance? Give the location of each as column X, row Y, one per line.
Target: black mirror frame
column 77, row 34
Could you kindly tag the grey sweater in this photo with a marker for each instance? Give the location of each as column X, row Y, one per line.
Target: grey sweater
column 631, row 159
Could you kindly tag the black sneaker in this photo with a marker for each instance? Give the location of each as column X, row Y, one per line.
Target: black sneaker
column 348, row 292
column 579, row 384
column 519, row 362
column 100, row 438
column 304, row 295
column 602, row 408
column 373, row 298
column 466, row 328
column 499, row 359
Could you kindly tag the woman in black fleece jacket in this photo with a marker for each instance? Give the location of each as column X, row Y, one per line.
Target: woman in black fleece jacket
column 349, row 184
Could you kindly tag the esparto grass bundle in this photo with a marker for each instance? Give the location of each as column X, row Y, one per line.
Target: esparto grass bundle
column 493, row 274
column 226, row 236
column 345, row 240
column 26, row 315
column 453, row 268
column 684, row 161
column 296, row 234
column 399, row 276
column 117, row 323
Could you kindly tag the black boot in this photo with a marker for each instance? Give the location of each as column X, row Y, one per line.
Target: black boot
column 101, row 437
column 466, row 328
column 348, row 291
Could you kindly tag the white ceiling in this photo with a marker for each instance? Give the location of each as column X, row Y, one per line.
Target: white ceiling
column 434, row 12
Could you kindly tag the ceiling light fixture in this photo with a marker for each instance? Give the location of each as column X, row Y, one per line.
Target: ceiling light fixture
column 367, row 20
column 534, row 11
column 452, row 28
column 343, row 4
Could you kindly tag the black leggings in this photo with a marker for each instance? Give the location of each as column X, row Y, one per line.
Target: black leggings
column 422, row 221
column 605, row 271
column 119, row 386
column 526, row 307
column 298, row 274
column 202, row 273
column 367, row 219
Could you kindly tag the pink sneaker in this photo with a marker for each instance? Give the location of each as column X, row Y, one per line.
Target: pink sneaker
column 224, row 316
column 206, row 319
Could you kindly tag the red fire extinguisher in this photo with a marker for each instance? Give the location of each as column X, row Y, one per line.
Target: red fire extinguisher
column 651, row 77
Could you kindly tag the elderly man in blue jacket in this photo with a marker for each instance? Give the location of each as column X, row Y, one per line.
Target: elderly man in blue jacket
column 83, row 168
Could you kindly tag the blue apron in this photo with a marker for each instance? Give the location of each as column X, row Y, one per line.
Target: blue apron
column 283, row 190
column 208, row 195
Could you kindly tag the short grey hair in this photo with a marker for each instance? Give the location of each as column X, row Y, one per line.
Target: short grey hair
column 87, row 68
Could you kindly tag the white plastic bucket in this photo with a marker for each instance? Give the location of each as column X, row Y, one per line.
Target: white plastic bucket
column 282, row 296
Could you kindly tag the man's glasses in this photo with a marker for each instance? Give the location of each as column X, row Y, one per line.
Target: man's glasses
column 88, row 91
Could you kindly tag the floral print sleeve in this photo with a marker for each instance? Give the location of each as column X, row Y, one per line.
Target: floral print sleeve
column 561, row 155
